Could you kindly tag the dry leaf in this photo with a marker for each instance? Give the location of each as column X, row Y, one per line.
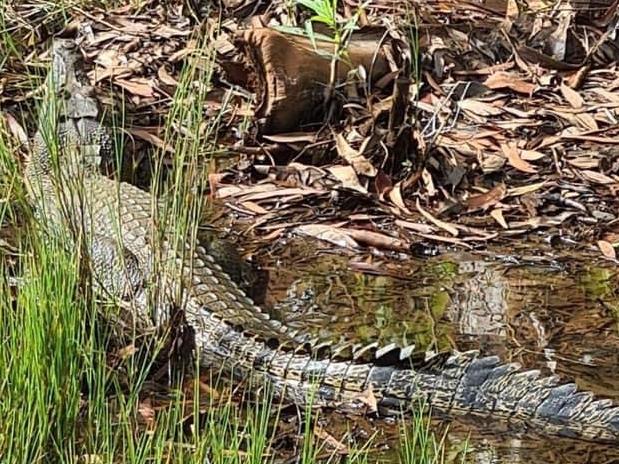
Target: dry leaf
column 279, row 193
column 147, row 135
column 395, row 195
column 607, row 249
column 253, row 207
column 428, row 183
column 531, row 155
column 488, row 199
column 110, row 58
column 15, row 128
column 545, row 221
column 292, row 137
column 382, row 183
column 517, row 191
column 91, row 459
column 353, row 157
column 126, row 352
column 146, row 411
column 166, row 77
column 137, row 86
column 584, row 162
column 591, row 138
column 333, row 443
column 437, row 222
column 273, row 235
column 572, row 97
column 506, row 80
column 513, row 10
column 329, row 234
column 367, row 398
column 490, row 162
column 377, row 240
column 513, row 157
column 416, row 226
column 586, row 121
column 168, row 32
column 238, row 190
column 597, row 177
column 479, row 108
column 347, row 176
column 131, row 27
column 497, row 215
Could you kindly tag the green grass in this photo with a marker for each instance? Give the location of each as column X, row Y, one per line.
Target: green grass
column 69, row 395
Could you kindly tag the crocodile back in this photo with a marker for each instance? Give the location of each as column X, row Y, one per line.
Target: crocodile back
column 126, row 213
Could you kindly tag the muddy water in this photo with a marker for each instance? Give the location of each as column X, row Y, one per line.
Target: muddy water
column 563, row 321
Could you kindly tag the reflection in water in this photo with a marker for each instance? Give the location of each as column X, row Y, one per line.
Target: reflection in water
column 478, row 302
column 555, row 321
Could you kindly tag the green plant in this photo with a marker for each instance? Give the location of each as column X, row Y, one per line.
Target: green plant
column 325, row 12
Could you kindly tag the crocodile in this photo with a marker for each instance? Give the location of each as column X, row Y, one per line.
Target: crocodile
column 114, row 221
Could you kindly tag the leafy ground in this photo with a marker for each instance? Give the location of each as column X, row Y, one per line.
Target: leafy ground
column 508, row 132
column 475, row 125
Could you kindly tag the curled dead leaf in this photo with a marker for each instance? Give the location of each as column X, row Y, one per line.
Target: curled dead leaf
column 490, row 162
column 110, row 58
column 497, row 215
column 126, row 352
column 147, row 412
column 367, row 398
column 382, row 183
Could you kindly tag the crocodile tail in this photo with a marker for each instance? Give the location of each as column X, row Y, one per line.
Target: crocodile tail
column 470, row 384
column 462, row 384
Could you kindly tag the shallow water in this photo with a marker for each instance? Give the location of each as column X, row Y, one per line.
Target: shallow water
column 563, row 321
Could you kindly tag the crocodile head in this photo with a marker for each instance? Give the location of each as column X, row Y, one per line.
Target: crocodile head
column 70, row 137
